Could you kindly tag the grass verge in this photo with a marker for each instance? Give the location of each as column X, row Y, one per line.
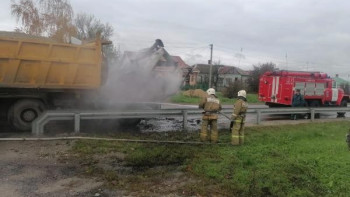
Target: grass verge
column 303, row 160
column 179, row 98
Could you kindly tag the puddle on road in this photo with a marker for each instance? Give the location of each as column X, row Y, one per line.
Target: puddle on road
column 176, row 124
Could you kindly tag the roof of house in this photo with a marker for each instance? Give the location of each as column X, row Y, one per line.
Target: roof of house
column 179, row 61
column 340, row 80
column 204, row 68
column 232, row 70
column 222, row 69
column 142, row 55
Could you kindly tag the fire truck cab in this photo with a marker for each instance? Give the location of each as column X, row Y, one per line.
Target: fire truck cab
column 277, row 88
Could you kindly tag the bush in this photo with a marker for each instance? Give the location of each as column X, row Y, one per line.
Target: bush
column 197, row 86
column 232, row 89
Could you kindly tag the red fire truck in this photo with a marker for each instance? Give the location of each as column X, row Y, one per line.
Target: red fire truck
column 277, row 88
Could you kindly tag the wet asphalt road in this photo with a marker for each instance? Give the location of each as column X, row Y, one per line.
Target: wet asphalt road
column 149, row 125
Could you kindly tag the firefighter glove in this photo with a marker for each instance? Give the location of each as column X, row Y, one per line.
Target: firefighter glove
column 233, row 117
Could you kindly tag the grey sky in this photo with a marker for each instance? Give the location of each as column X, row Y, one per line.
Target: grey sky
column 315, row 34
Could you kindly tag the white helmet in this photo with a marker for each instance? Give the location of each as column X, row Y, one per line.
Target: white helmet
column 242, row 93
column 211, row 91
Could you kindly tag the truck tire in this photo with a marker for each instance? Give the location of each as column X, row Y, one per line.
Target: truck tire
column 23, row 112
column 344, row 103
column 315, row 103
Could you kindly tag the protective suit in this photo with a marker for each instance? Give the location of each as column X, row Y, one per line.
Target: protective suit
column 211, row 105
column 238, row 117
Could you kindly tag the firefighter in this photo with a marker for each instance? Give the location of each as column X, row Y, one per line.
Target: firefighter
column 238, row 117
column 298, row 101
column 211, row 106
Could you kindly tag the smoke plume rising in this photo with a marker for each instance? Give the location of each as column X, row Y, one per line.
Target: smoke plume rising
column 149, row 75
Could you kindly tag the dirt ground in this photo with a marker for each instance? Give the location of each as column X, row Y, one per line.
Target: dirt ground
column 47, row 168
column 34, row 169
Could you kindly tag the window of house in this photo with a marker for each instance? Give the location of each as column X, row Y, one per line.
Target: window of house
column 228, row 81
column 220, row 81
column 236, row 78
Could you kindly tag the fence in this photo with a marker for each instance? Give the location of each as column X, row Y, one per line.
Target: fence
column 39, row 124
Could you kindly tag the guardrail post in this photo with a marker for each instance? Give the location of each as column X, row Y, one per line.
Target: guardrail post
column 258, row 116
column 76, row 123
column 312, row 114
column 184, row 113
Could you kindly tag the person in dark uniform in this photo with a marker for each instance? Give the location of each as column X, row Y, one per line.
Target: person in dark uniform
column 298, row 101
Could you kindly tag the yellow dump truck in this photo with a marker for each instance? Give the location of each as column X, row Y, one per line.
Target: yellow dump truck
column 36, row 73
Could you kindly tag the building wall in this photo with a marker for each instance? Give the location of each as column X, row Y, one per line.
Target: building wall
column 226, row 79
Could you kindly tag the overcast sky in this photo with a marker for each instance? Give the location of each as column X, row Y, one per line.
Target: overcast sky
column 305, row 35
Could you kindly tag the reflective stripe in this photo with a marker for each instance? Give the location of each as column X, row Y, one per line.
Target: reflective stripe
column 277, row 86
column 273, row 89
column 213, row 100
column 334, row 94
column 237, row 136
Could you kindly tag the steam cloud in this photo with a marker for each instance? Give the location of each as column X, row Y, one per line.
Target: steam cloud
column 137, row 79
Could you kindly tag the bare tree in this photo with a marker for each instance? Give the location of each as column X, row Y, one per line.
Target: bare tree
column 58, row 18
column 28, row 13
column 88, row 26
column 215, row 73
column 257, row 71
column 52, row 18
column 55, row 19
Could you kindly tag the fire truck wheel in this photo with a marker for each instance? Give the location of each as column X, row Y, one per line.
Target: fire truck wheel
column 344, row 103
column 315, row 103
column 22, row 113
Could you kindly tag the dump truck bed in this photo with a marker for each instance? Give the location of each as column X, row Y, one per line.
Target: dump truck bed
column 31, row 62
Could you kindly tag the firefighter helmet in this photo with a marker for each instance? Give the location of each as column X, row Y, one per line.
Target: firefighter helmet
column 242, row 93
column 211, row 91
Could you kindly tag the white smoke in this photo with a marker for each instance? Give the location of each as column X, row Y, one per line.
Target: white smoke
column 136, row 78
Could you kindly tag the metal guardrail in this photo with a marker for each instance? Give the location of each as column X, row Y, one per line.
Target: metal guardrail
column 77, row 116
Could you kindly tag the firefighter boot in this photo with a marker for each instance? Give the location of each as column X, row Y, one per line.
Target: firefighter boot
column 204, row 131
column 214, row 131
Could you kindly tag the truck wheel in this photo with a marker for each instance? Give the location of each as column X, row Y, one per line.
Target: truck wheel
column 344, row 103
column 315, row 104
column 22, row 113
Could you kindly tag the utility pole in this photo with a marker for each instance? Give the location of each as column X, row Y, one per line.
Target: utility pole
column 240, row 57
column 286, row 60
column 210, row 63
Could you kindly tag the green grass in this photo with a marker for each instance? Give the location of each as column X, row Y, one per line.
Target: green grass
column 302, row 160
column 179, row 98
